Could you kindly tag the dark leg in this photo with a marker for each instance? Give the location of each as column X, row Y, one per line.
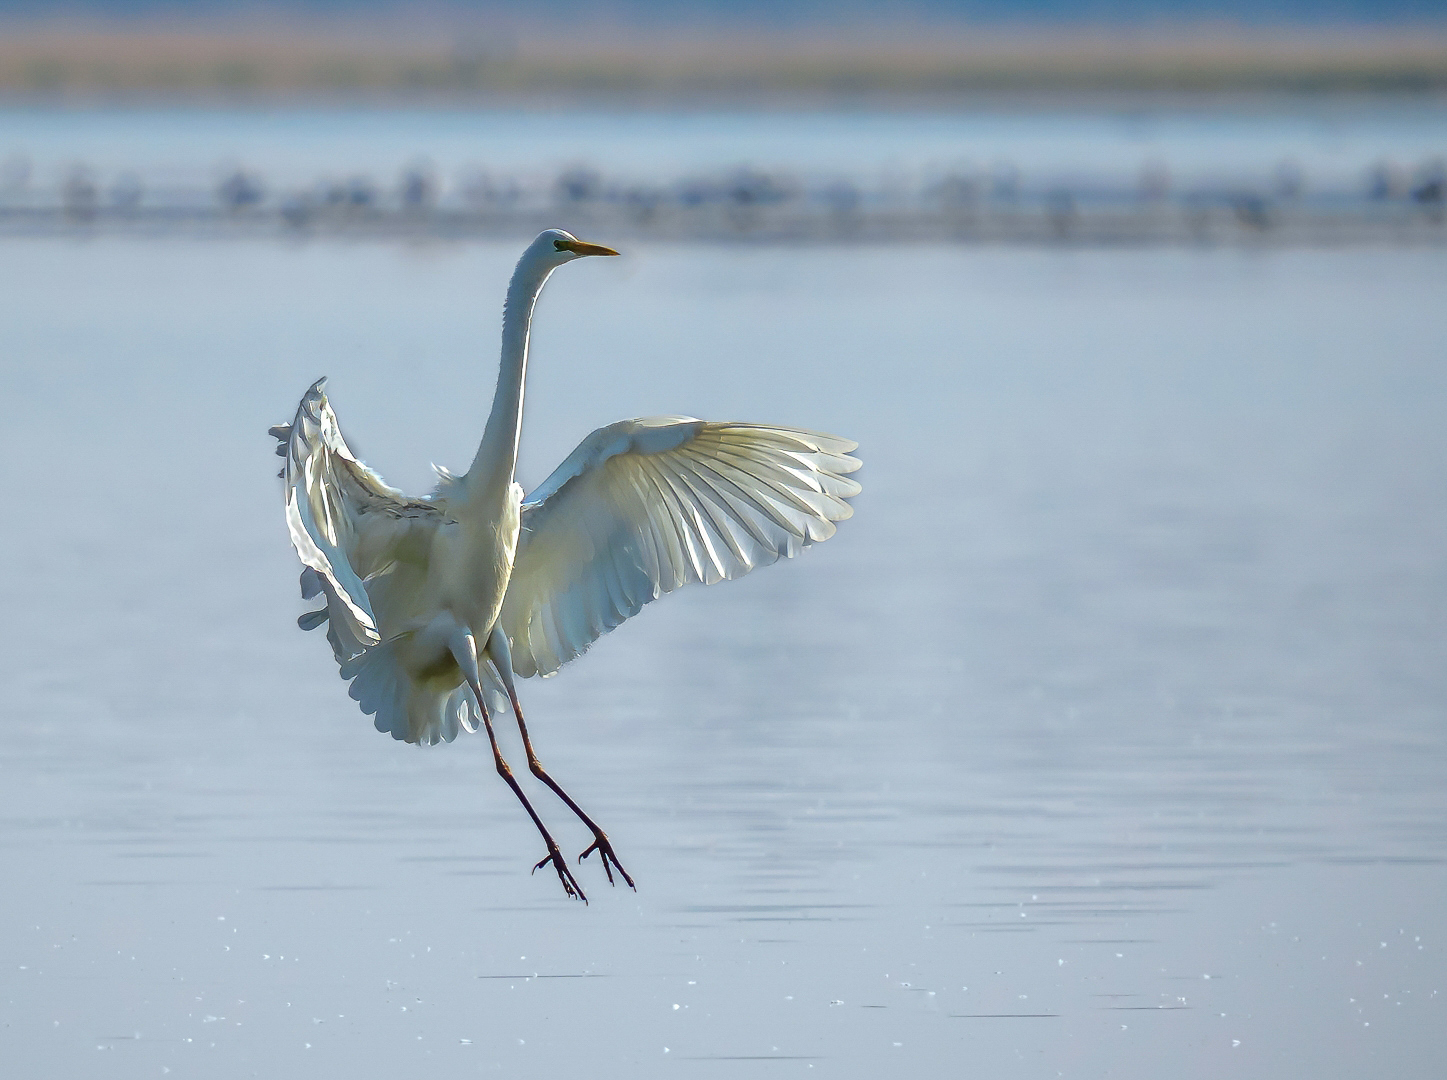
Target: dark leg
column 570, row 885
column 600, row 838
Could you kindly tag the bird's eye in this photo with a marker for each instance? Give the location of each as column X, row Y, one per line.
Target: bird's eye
column 560, row 245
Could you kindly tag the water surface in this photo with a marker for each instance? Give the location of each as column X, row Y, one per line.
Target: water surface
column 1331, row 143
column 1107, row 738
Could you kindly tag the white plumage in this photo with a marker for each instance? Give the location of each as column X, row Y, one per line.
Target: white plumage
column 433, row 604
column 644, row 506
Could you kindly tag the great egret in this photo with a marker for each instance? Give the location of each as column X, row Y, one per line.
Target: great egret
column 433, row 604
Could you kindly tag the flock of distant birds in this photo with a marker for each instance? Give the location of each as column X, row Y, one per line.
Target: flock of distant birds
column 1390, row 202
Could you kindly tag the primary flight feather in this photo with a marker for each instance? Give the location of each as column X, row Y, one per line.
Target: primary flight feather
column 434, row 603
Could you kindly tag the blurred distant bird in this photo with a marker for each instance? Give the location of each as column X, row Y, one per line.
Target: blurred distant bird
column 433, row 604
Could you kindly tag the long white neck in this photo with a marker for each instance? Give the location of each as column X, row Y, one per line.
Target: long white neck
column 492, row 469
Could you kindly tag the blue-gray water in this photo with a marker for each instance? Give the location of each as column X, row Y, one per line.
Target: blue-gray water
column 1106, row 739
column 1332, row 144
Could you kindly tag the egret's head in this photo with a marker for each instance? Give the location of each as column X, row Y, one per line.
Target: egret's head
column 558, row 247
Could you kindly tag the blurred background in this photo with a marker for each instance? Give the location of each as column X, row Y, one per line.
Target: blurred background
column 1107, row 738
column 996, row 121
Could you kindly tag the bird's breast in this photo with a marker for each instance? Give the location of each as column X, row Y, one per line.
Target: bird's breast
column 477, row 552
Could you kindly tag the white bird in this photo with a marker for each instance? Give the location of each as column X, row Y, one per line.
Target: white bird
column 434, row 603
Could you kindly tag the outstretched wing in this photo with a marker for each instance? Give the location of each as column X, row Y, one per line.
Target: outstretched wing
column 644, row 506
column 346, row 524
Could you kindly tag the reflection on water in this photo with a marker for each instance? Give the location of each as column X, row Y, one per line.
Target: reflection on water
column 1107, row 736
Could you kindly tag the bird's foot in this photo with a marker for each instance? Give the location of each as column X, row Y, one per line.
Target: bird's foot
column 570, row 883
column 604, row 849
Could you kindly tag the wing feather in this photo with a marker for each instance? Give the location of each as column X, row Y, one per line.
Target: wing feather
column 347, row 525
column 644, row 506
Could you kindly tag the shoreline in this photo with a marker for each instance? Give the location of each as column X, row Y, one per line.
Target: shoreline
column 338, row 64
column 1056, row 220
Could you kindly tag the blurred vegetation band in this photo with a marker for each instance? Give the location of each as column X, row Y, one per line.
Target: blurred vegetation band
column 210, row 65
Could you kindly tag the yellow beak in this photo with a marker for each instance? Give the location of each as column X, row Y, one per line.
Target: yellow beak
column 582, row 247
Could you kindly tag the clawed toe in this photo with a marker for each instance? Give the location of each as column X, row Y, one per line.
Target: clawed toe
column 606, row 854
column 570, row 883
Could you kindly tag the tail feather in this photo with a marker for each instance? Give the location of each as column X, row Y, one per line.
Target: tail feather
column 408, row 711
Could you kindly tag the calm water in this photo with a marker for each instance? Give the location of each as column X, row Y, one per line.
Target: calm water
column 1333, row 144
column 1107, row 739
